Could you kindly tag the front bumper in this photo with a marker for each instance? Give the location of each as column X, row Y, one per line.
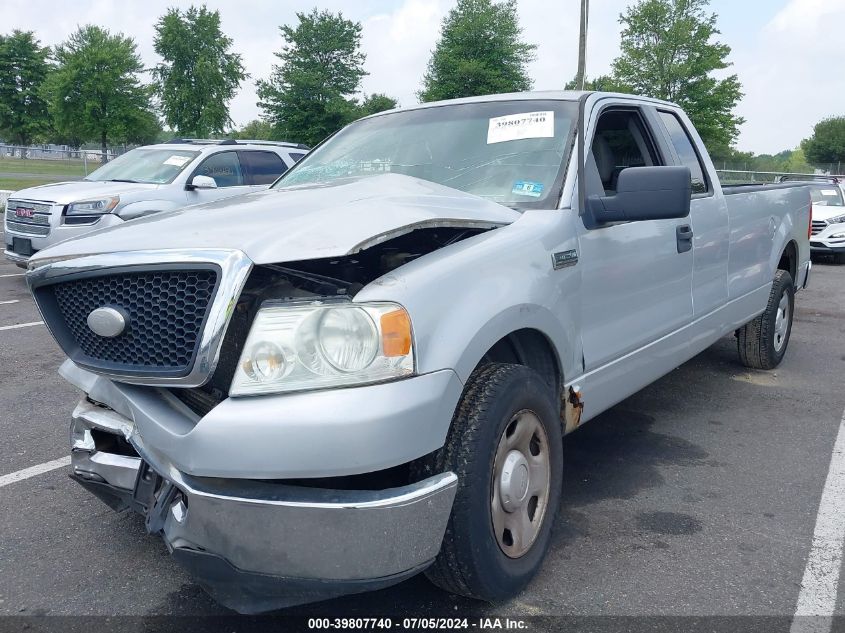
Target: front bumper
column 825, row 242
column 313, row 434
column 58, row 233
column 259, row 545
column 826, row 247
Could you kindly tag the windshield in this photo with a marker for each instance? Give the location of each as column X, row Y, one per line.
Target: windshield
column 826, row 196
column 510, row 152
column 154, row 166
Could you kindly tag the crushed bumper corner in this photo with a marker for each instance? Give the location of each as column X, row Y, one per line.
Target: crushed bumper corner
column 263, row 545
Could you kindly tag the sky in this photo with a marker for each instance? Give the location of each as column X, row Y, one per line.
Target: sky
column 788, row 53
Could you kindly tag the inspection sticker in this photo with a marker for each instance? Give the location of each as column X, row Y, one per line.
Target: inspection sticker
column 177, row 160
column 830, row 192
column 513, row 127
column 528, row 188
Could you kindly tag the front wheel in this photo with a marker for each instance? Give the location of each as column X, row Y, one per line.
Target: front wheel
column 762, row 342
column 505, row 445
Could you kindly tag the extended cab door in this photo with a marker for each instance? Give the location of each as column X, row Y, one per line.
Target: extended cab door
column 708, row 213
column 636, row 276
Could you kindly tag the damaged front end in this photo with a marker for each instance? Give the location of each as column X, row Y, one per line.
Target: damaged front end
column 262, row 545
column 318, row 279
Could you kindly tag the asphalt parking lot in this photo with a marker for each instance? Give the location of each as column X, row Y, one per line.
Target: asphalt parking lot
column 698, row 496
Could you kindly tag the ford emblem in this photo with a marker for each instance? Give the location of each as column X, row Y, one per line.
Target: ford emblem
column 107, row 322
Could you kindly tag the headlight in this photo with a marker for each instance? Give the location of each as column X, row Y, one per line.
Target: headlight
column 300, row 346
column 839, row 219
column 92, row 207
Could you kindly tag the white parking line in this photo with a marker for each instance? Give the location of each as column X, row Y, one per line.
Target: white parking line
column 20, row 325
column 5, row 303
column 14, row 275
column 32, row 471
column 817, row 598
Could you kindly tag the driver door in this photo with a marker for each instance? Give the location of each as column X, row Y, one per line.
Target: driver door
column 636, row 284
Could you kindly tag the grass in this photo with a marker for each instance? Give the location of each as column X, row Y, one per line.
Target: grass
column 16, row 184
column 44, row 167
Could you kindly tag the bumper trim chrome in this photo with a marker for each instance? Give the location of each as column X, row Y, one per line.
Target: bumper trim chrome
column 272, row 528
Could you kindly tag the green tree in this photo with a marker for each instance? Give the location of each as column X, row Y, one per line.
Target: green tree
column 602, row 83
column 309, row 95
column 668, row 52
column 827, row 144
column 256, row 130
column 480, row 52
column 375, row 103
column 95, row 92
column 23, row 69
column 199, row 74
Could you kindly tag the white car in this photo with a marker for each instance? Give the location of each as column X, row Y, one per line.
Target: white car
column 145, row 180
column 828, row 231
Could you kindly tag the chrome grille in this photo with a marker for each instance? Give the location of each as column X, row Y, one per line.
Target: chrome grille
column 818, row 226
column 165, row 312
column 36, row 220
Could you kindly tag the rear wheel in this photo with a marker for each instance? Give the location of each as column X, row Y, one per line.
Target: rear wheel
column 505, row 445
column 762, row 342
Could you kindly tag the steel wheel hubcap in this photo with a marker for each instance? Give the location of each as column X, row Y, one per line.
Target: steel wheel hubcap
column 521, row 484
column 781, row 322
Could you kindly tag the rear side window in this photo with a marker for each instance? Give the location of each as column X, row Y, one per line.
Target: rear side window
column 262, row 167
column 296, row 156
column 224, row 167
column 683, row 145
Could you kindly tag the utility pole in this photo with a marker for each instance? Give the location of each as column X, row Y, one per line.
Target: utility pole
column 580, row 78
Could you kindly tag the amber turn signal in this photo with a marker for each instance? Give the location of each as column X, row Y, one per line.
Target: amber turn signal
column 396, row 333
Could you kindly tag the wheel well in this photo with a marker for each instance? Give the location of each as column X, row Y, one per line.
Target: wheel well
column 530, row 348
column 789, row 261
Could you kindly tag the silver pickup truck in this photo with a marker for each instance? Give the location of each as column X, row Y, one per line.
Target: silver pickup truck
column 367, row 370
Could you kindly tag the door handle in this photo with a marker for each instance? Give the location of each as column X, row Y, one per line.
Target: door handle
column 683, row 234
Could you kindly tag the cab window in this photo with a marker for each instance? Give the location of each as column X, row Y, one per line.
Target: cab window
column 686, row 152
column 621, row 140
column 224, row 167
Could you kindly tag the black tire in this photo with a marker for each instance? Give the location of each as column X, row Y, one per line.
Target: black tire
column 756, row 340
column 471, row 562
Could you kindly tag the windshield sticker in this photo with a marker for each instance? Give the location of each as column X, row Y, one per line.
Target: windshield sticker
column 830, row 192
column 177, row 161
column 528, row 188
column 514, row 127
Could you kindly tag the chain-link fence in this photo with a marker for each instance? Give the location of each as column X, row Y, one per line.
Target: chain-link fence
column 50, row 159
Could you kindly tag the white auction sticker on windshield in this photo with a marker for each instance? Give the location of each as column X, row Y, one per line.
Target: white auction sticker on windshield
column 830, row 192
column 177, row 160
column 514, row 127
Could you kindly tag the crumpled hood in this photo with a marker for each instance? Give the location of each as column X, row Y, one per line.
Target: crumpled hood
column 297, row 223
column 73, row 191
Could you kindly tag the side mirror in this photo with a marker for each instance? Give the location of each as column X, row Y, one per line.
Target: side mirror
column 202, row 182
column 644, row 193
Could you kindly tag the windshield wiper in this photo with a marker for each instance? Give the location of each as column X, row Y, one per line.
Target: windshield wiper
column 123, row 180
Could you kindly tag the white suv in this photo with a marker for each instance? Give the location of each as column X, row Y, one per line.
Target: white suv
column 828, row 232
column 146, row 180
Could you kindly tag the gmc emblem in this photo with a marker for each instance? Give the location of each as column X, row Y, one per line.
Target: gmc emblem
column 23, row 212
